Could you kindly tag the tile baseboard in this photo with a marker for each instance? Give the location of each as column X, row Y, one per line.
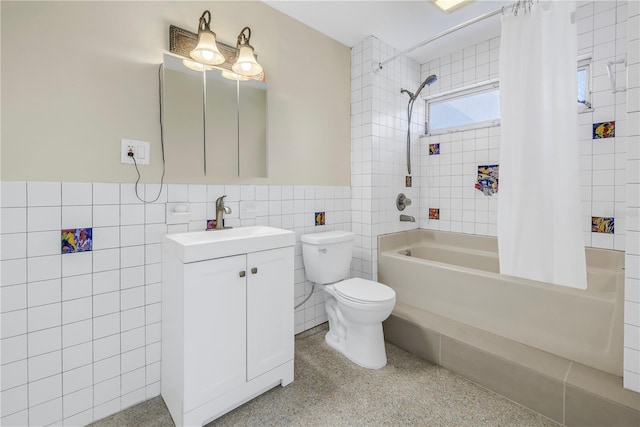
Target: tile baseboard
column 564, row 391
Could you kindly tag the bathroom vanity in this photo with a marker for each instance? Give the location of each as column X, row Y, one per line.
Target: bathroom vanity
column 227, row 319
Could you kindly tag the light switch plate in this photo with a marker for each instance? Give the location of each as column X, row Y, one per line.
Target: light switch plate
column 141, row 151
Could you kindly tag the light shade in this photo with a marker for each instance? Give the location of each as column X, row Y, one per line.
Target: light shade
column 234, row 76
column 246, row 64
column 195, row 66
column 206, row 51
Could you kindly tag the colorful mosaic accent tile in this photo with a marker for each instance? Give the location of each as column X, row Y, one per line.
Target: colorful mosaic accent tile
column 76, row 240
column 319, row 218
column 487, row 180
column 434, row 149
column 604, row 130
column 407, row 181
column 602, row 224
column 434, row 213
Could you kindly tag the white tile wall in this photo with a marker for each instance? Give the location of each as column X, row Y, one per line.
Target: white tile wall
column 378, row 147
column 602, row 36
column 632, row 256
column 447, row 179
column 448, row 182
column 81, row 332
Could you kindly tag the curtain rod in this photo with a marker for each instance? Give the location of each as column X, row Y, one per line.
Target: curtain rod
column 444, row 33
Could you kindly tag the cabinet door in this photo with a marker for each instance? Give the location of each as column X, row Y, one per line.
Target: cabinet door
column 269, row 310
column 214, row 329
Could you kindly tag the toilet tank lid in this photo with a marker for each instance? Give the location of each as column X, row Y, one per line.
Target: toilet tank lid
column 327, row 237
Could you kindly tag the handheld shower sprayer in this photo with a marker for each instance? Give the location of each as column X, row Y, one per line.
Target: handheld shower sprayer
column 427, row 82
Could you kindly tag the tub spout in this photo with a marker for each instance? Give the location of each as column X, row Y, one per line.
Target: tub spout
column 407, row 218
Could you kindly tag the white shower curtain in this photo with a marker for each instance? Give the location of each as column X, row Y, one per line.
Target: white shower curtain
column 540, row 233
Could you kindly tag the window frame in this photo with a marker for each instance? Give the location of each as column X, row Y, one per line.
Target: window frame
column 482, row 87
column 584, row 63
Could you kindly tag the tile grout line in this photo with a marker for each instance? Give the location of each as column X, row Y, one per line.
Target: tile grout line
column 93, row 380
column 26, row 266
column 61, row 316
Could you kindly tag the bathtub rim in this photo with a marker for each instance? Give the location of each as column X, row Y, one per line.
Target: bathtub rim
column 388, row 246
column 583, row 293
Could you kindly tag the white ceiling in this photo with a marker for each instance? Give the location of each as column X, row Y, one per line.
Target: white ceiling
column 401, row 24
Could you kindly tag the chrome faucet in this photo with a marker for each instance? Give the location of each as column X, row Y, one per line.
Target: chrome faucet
column 221, row 209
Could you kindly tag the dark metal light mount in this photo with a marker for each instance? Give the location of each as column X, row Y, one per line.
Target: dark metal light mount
column 203, row 52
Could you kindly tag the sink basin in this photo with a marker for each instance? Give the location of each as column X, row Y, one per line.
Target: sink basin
column 201, row 245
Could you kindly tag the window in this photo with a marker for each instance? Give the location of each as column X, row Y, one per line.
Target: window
column 479, row 105
column 584, row 85
column 469, row 108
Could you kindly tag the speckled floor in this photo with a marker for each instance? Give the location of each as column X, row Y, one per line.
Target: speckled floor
column 329, row 390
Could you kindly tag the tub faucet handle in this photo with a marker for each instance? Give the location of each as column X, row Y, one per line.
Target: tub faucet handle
column 402, row 201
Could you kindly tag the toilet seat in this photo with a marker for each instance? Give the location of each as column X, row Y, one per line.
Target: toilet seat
column 364, row 291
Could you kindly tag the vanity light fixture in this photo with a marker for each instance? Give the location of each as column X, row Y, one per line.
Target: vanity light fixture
column 192, row 47
column 206, row 51
column 246, row 64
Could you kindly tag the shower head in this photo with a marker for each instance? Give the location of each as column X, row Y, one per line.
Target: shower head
column 427, row 82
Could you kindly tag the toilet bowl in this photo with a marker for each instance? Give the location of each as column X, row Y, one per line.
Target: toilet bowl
column 357, row 317
column 355, row 307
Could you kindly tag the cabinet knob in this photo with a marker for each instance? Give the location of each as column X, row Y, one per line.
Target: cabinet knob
column 254, row 270
column 243, row 273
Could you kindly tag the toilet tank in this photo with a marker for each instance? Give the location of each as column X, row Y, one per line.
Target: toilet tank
column 327, row 256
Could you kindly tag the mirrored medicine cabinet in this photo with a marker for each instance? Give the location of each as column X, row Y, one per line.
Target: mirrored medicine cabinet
column 212, row 124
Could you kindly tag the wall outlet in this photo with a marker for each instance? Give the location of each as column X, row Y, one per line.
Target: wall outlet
column 140, row 149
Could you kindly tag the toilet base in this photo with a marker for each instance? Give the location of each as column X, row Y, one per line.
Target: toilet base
column 363, row 345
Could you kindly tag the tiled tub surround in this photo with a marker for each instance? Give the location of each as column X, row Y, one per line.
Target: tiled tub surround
column 378, row 147
column 610, row 167
column 632, row 250
column 575, row 384
column 447, row 179
column 81, row 332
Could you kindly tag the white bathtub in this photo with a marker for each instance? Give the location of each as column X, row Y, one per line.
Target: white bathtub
column 457, row 276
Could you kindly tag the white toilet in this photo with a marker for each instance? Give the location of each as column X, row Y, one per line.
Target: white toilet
column 356, row 307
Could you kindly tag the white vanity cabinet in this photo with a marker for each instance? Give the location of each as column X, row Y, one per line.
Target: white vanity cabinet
column 227, row 328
